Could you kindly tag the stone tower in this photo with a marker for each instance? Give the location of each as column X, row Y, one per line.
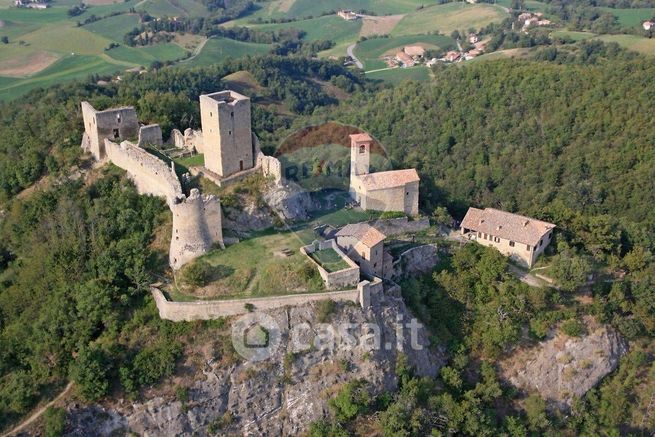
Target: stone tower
column 114, row 124
column 360, row 154
column 227, row 136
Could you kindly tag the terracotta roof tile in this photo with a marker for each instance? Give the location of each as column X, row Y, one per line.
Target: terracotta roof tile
column 389, row 179
column 506, row 225
column 365, row 233
column 361, row 137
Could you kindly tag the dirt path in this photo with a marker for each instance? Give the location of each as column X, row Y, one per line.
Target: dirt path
column 196, row 51
column 35, row 416
column 351, row 52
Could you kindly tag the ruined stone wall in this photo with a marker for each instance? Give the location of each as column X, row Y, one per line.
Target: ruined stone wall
column 208, row 310
column 114, row 124
column 191, row 140
column 227, row 134
column 150, row 135
column 197, row 228
column 150, row 174
column 333, row 280
column 415, row 261
column 271, row 167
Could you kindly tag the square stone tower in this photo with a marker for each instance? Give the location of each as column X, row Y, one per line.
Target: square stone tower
column 360, row 154
column 115, row 124
column 226, row 132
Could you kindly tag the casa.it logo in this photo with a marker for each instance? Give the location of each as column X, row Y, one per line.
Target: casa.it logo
column 256, row 336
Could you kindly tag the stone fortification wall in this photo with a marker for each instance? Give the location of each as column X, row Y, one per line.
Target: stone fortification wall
column 191, row 140
column 197, row 228
column 150, row 135
column 116, row 124
column 150, row 174
column 207, row 310
column 271, row 167
column 348, row 277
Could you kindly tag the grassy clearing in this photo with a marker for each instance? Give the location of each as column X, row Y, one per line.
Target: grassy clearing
column 304, row 8
column 114, row 27
column 67, row 39
column 419, row 73
column 329, row 27
column 330, row 260
column 217, row 49
column 174, row 8
column 448, row 17
column 631, row 17
column 370, row 51
column 191, row 161
column 530, row 5
column 503, row 54
column 574, row 35
column 257, row 267
column 632, row 42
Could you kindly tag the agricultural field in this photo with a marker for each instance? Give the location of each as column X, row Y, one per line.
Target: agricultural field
column 420, row 73
column 448, row 17
column 47, row 46
column 631, row 17
column 371, row 50
column 573, row 35
column 632, row 42
column 217, row 49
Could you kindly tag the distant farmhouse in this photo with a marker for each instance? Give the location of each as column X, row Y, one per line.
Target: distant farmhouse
column 648, row 25
column 30, row 4
column 404, row 59
column 522, row 238
column 528, row 19
column 347, row 15
column 395, row 190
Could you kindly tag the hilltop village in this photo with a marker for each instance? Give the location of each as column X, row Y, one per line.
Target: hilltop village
column 352, row 260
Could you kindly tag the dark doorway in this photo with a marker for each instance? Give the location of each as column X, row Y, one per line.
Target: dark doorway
column 241, row 165
column 116, row 133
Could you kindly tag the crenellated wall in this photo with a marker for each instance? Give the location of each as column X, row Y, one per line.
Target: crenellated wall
column 197, row 228
column 150, row 174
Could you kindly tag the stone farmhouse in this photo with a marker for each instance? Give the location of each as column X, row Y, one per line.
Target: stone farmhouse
column 647, row 25
column 395, row 190
column 347, row 15
column 521, row 238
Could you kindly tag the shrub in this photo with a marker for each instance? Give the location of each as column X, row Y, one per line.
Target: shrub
column 54, row 422
column 198, row 273
column 90, row 373
column 573, row 328
column 325, row 309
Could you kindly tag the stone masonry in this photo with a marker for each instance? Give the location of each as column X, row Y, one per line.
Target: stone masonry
column 115, row 124
column 226, row 131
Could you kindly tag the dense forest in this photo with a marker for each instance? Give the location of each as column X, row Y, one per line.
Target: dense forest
column 567, row 137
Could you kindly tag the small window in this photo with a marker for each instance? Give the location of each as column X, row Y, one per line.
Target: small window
column 375, row 265
column 232, row 114
column 241, row 165
column 479, row 234
column 407, row 193
column 229, row 132
column 116, row 133
column 528, row 247
column 210, row 113
column 118, row 118
column 511, row 244
column 362, row 148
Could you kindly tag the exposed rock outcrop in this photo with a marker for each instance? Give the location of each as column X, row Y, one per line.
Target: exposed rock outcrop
column 284, row 394
column 562, row 368
column 290, row 201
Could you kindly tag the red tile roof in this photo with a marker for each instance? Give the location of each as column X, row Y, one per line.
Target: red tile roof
column 358, row 138
column 389, row 179
column 506, row 225
column 365, row 233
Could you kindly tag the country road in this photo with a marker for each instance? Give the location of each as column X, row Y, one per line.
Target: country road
column 35, row 416
column 351, row 52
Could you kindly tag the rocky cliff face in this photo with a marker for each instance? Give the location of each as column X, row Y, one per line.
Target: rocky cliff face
column 562, row 368
column 289, row 201
column 285, row 393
